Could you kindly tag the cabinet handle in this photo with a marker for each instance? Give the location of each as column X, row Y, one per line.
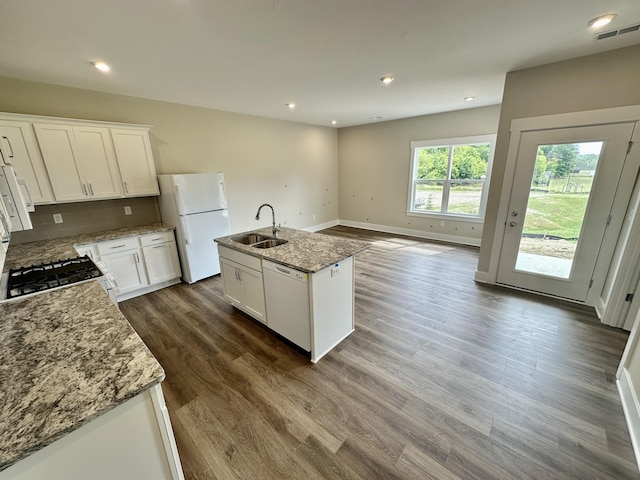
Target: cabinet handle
column 8, row 202
column 84, row 190
column 9, row 144
column 126, row 187
column 137, row 257
column 158, row 246
column 117, row 246
column 90, row 189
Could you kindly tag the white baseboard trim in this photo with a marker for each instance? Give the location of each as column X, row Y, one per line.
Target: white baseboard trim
column 322, row 226
column 474, row 242
column 631, row 409
column 481, row 277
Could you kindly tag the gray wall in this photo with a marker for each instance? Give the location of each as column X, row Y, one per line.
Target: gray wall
column 374, row 171
column 290, row 165
column 593, row 82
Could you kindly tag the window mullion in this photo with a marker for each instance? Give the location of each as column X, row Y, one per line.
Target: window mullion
column 447, row 184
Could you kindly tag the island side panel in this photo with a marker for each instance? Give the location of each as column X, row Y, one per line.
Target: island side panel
column 332, row 292
column 124, row 443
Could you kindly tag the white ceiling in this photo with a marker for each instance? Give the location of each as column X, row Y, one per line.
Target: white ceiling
column 327, row 56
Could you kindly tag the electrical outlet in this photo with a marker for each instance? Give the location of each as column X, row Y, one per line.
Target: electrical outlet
column 442, row 223
column 57, row 218
column 127, row 210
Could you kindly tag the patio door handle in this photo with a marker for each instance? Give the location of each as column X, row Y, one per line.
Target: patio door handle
column 514, row 214
column 512, row 224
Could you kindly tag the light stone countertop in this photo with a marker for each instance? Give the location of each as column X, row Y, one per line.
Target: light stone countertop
column 33, row 253
column 66, row 357
column 305, row 251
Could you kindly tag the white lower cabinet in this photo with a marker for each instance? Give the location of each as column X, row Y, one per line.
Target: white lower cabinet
column 160, row 257
column 242, row 282
column 138, row 264
column 127, row 270
column 131, row 442
column 315, row 311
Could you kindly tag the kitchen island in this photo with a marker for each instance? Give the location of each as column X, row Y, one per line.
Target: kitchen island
column 80, row 395
column 302, row 288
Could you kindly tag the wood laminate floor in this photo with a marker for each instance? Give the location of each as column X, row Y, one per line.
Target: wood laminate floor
column 442, row 379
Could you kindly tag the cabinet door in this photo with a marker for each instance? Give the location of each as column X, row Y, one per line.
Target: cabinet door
column 162, row 262
column 133, row 152
column 253, row 293
column 59, row 151
column 127, row 270
column 233, row 289
column 20, row 149
column 98, row 164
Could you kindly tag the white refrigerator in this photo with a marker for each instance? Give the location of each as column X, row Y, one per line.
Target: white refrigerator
column 196, row 204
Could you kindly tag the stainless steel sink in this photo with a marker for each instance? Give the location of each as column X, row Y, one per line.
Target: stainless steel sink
column 250, row 238
column 258, row 241
column 272, row 242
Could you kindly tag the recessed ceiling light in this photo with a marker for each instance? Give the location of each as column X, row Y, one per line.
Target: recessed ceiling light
column 333, row 122
column 387, row 79
column 469, row 99
column 291, row 105
column 376, row 118
column 602, row 20
column 103, row 67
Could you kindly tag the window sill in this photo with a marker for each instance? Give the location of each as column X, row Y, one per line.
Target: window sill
column 448, row 217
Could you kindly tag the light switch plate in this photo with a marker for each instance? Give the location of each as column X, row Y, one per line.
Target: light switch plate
column 127, row 210
column 57, row 218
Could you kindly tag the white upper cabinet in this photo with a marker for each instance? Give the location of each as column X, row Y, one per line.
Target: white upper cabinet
column 80, row 161
column 60, row 152
column 67, row 160
column 19, row 148
column 133, row 151
column 98, row 162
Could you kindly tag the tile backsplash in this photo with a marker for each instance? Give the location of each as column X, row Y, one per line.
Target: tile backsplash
column 88, row 217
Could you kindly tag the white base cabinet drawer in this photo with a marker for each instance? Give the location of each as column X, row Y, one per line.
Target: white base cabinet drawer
column 118, row 245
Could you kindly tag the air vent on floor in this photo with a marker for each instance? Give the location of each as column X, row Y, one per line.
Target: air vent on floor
column 618, row 32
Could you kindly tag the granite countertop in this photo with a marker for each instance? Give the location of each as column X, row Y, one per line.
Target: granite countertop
column 305, row 251
column 67, row 357
column 33, row 253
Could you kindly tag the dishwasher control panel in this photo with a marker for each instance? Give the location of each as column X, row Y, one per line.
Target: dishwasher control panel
column 298, row 275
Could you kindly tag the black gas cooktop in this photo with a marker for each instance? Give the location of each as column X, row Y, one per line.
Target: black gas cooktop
column 37, row 278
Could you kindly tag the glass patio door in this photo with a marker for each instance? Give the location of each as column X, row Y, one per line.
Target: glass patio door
column 563, row 191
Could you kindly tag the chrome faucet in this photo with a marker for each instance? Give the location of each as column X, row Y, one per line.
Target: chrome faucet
column 275, row 229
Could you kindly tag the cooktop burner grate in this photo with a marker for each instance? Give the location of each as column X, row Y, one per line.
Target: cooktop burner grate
column 37, row 278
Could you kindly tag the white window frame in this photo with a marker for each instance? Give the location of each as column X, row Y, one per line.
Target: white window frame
column 450, row 142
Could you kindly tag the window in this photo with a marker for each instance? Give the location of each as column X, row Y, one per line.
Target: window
column 450, row 176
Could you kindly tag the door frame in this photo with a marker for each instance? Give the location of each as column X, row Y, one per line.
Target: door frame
column 565, row 120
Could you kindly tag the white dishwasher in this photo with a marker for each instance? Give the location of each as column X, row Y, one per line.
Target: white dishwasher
column 287, row 298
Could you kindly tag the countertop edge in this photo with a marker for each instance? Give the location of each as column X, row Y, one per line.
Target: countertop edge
column 53, row 438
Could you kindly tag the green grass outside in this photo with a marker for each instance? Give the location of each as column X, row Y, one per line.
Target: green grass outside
column 555, row 213
column 558, row 214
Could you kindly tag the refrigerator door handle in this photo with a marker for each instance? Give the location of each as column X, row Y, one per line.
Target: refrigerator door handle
column 179, row 201
column 185, row 229
column 223, row 195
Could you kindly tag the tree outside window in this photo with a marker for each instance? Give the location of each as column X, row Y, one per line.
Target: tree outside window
column 449, row 177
